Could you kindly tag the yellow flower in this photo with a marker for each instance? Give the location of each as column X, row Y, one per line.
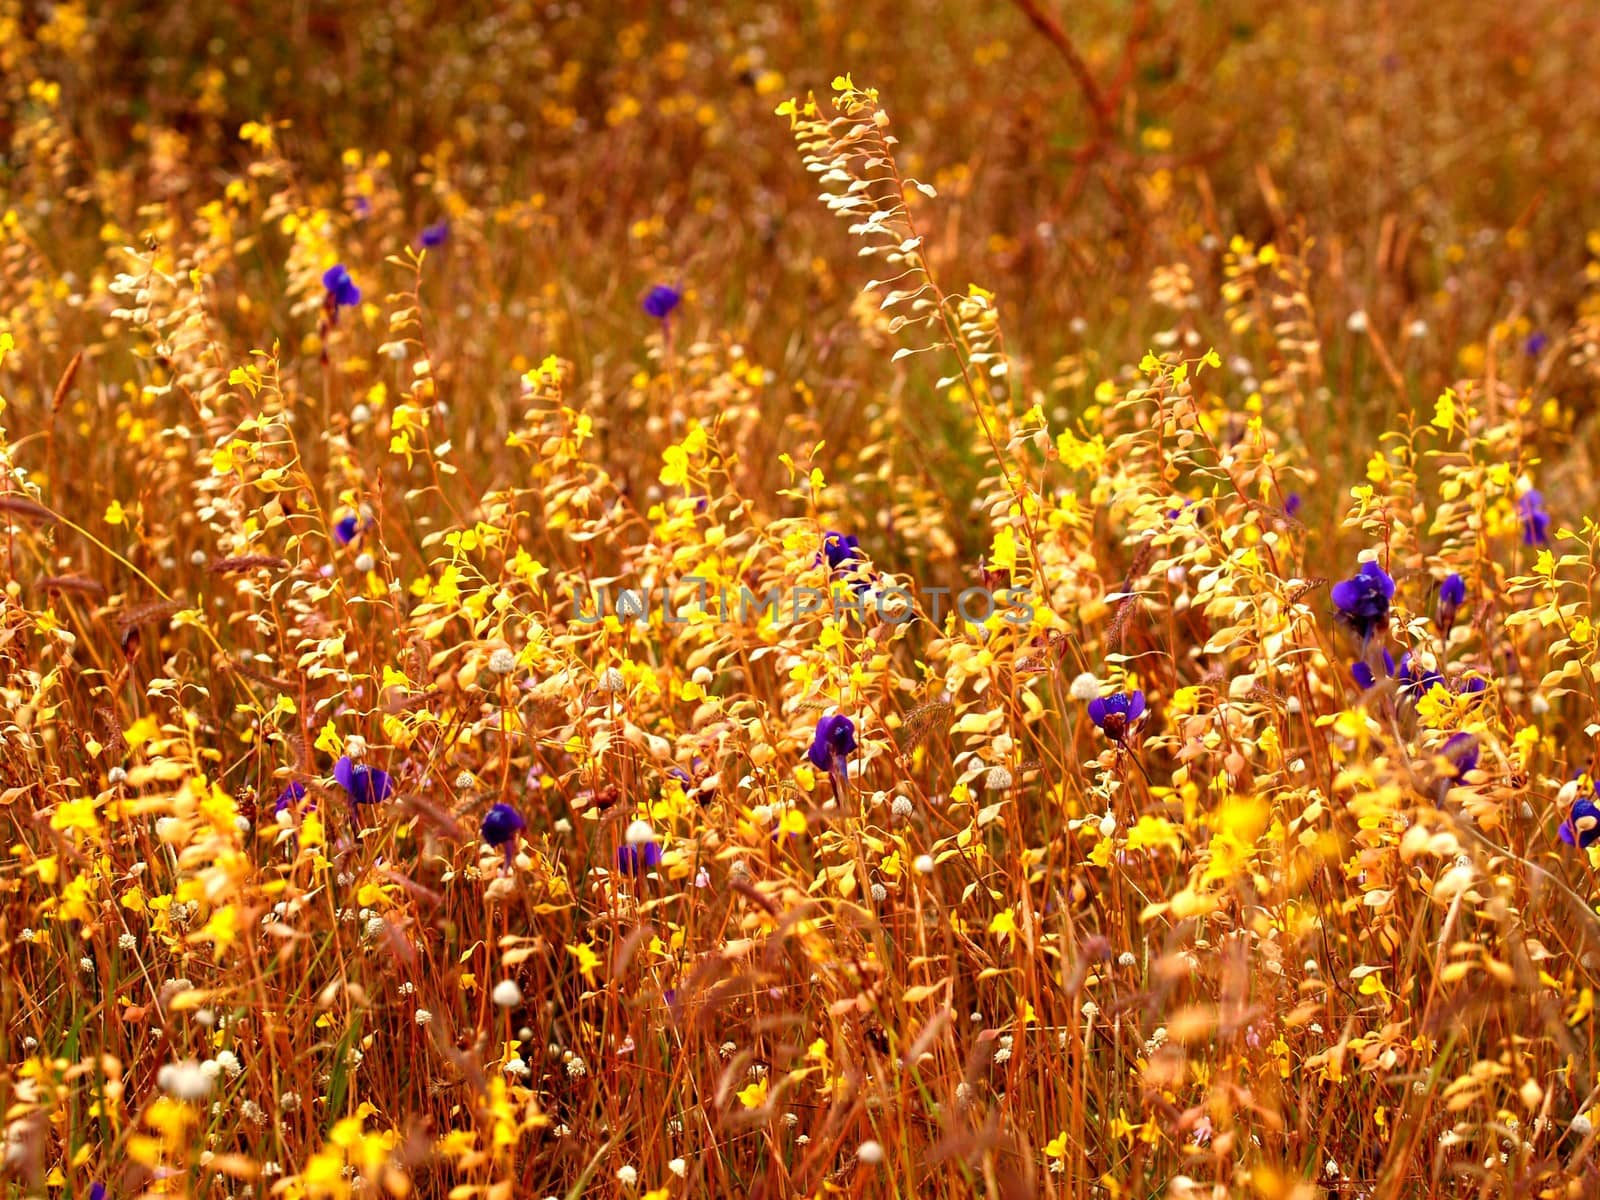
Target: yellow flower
column 588, row 960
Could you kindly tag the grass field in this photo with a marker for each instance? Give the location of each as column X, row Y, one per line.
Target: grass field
column 842, row 599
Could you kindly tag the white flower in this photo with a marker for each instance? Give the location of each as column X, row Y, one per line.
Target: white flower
column 1582, row 1125
column 360, row 414
column 1356, row 322
column 678, row 1167
column 1127, row 959
column 464, row 780
column 923, row 864
column 870, row 1153
column 128, row 942
column 627, row 1176
column 506, row 993
column 502, row 661
column 1418, row 329
column 576, row 1067
column 612, row 680
column 1085, row 686
column 998, row 779
column 640, row 834
column 116, row 777
column 186, row 1080
column 356, row 746
column 229, row 1062
column 423, row 1016
column 902, row 808
column 365, row 562
column 1108, row 824
column 879, row 893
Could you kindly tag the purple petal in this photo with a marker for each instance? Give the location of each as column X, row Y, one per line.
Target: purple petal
column 1097, row 710
column 1376, row 573
column 1135, row 706
column 342, row 771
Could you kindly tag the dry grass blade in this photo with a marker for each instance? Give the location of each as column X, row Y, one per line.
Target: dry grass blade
column 923, row 721
column 80, row 584
column 20, row 506
column 247, row 562
column 64, row 384
column 140, row 615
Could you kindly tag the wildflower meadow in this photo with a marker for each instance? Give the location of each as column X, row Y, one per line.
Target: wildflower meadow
column 861, row 599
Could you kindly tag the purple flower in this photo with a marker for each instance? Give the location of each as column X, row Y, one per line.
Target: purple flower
column 661, row 300
column 834, row 742
column 1452, row 595
column 1461, row 752
column 1582, row 826
column 636, row 860
column 342, row 290
column 1362, row 673
column 290, row 796
column 1114, row 715
column 366, row 785
column 840, row 549
column 1291, row 506
column 347, row 529
column 1535, row 521
column 97, row 1191
column 435, row 235
column 1363, row 599
column 363, row 207
column 501, row 824
column 1536, row 343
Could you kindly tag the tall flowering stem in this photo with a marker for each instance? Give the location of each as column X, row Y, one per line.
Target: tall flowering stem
column 853, row 154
